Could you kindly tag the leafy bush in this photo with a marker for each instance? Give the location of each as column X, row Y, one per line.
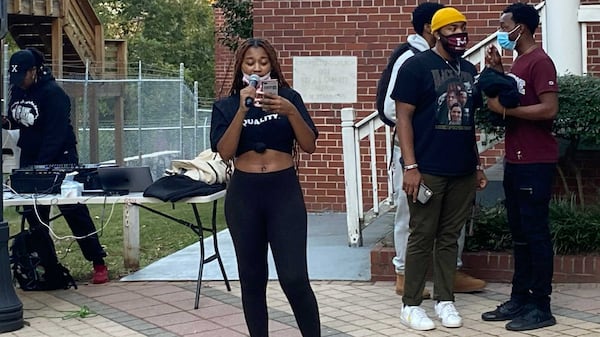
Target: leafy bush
column 578, row 124
column 579, row 103
column 574, row 229
column 490, row 230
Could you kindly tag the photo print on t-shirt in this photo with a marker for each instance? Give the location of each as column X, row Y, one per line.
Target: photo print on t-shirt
column 454, row 105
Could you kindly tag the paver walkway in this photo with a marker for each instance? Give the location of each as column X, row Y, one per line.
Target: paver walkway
column 347, row 308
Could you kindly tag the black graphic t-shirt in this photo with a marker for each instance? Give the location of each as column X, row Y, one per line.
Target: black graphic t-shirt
column 445, row 100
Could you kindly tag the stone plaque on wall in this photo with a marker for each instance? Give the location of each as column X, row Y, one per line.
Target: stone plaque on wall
column 326, row 79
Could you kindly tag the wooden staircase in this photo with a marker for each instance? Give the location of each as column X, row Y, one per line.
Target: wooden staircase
column 69, row 34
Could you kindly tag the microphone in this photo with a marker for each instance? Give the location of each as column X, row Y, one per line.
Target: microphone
column 254, row 79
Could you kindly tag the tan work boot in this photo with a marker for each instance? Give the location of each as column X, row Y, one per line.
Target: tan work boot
column 464, row 283
column 400, row 287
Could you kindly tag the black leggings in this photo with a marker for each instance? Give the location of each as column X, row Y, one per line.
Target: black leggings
column 268, row 209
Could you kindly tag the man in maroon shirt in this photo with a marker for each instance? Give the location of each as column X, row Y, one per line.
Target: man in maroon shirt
column 530, row 163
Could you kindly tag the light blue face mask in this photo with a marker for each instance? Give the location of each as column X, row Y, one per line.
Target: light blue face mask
column 505, row 42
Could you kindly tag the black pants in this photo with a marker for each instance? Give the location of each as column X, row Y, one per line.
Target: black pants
column 528, row 189
column 265, row 209
column 78, row 218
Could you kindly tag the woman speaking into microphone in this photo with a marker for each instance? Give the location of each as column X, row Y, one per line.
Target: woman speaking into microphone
column 261, row 132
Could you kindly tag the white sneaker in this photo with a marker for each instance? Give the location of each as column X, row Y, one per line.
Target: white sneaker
column 416, row 318
column 446, row 311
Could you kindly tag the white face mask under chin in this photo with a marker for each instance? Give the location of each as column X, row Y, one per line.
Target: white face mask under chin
column 246, row 78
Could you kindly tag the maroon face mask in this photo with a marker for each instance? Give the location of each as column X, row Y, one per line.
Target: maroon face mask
column 455, row 44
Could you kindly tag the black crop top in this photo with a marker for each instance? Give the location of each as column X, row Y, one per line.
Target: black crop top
column 261, row 130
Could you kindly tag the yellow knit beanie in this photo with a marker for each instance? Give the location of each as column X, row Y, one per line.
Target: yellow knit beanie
column 446, row 16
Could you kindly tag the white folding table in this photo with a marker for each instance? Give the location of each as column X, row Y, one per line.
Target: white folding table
column 131, row 222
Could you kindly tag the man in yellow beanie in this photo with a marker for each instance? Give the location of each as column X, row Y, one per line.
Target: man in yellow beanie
column 441, row 164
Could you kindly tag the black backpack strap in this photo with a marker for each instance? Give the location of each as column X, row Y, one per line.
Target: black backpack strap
column 384, row 81
column 413, row 49
column 392, row 147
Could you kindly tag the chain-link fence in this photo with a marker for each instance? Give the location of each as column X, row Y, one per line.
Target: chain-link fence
column 118, row 119
column 137, row 121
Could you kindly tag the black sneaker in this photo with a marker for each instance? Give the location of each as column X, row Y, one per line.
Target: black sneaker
column 533, row 319
column 504, row 312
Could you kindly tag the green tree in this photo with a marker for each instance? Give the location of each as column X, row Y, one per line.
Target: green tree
column 238, row 21
column 164, row 33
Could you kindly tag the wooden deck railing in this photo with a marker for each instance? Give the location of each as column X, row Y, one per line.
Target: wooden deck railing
column 85, row 31
column 53, row 20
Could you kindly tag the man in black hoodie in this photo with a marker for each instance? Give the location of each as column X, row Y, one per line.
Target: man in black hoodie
column 41, row 110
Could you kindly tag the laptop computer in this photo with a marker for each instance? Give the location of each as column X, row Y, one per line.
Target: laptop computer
column 124, row 180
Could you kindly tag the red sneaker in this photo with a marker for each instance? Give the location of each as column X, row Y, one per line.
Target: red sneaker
column 100, row 274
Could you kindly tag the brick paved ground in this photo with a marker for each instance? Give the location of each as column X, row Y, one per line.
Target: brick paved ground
column 127, row 309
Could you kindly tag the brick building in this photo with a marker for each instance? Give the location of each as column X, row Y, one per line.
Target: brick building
column 369, row 30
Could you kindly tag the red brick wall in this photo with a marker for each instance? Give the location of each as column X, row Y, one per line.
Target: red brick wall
column 369, row 30
column 495, row 266
column 593, row 44
column 223, row 60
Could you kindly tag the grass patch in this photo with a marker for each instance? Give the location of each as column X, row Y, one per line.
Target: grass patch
column 159, row 236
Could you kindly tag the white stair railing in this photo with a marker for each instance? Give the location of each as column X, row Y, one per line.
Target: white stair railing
column 352, row 134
